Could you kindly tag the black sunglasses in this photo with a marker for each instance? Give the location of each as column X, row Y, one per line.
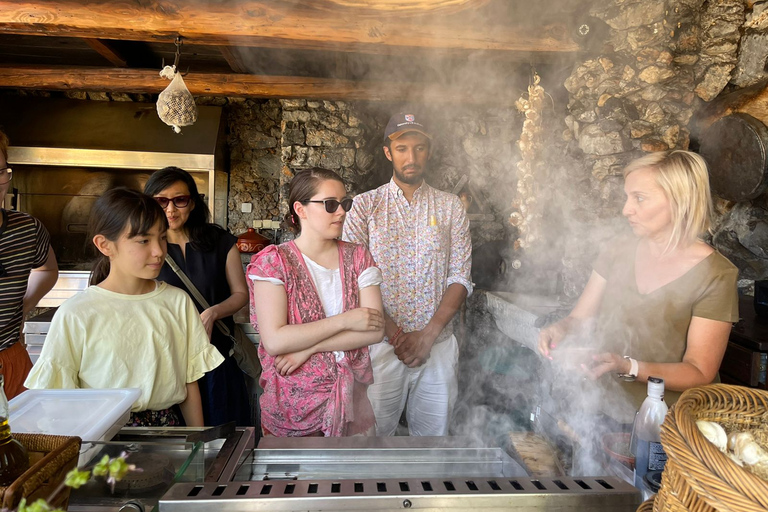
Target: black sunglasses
column 178, row 201
column 331, row 205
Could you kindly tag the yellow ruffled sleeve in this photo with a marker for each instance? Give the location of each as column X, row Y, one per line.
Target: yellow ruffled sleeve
column 47, row 375
column 59, row 364
column 205, row 361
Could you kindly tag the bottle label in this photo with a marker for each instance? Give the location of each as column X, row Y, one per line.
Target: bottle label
column 656, row 457
column 650, row 457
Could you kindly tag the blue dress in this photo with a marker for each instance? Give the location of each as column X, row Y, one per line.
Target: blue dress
column 222, row 390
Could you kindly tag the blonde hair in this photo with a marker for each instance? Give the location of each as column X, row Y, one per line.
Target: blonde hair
column 684, row 178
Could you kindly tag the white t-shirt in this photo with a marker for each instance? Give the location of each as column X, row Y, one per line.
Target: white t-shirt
column 101, row 339
column 328, row 285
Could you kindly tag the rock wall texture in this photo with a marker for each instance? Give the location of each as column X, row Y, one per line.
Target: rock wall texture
column 661, row 61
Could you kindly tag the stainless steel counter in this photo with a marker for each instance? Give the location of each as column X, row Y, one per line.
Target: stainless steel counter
column 164, row 457
column 359, row 473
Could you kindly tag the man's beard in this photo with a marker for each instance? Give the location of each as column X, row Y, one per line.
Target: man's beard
column 410, row 180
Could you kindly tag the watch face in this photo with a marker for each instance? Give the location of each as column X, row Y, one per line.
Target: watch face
column 627, row 377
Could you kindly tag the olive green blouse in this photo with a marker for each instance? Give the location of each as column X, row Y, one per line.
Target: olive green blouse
column 653, row 327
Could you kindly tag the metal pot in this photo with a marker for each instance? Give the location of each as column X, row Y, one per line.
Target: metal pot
column 736, row 150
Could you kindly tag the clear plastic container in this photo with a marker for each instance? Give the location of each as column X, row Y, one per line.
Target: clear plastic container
column 91, row 414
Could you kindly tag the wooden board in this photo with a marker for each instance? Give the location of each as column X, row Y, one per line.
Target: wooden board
column 280, row 24
column 536, row 454
column 235, row 84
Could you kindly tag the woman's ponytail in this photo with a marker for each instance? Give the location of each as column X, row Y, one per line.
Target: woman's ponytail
column 99, row 270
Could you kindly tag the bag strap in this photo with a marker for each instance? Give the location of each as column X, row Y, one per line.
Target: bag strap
column 195, row 292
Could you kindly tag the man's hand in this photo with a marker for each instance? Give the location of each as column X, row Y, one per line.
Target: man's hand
column 286, row 364
column 413, row 348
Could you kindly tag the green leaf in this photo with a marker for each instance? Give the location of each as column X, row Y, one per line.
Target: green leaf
column 102, row 467
column 118, row 468
column 38, row 506
column 77, row 479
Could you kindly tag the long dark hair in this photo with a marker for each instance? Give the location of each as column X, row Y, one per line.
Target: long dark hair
column 202, row 234
column 303, row 186
column 117, row 209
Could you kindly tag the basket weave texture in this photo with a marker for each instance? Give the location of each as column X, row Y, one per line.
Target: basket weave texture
column 646, row 506
column 698, row 477
column 59, row 456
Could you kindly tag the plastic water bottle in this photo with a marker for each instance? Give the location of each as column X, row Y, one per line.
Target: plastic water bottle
column 646, row 433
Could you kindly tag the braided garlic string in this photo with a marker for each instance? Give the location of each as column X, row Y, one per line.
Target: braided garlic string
column 530, row 144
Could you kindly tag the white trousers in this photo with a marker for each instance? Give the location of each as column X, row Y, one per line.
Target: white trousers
column 430, row 390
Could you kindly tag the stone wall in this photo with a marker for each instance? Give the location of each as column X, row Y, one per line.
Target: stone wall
column 662, row 61
column 271, row 141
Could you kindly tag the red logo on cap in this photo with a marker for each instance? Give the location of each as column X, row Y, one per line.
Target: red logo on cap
column 409, row 118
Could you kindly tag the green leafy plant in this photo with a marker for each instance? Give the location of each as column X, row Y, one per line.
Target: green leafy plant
column 112, row 469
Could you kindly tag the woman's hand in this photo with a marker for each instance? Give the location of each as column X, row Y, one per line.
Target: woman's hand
column 550, row 336
column 286, row 364
column 606, row 362
column 364, row 319
column 209, row 317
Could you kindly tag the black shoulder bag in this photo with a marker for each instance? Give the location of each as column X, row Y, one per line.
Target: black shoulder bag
column 243, row 349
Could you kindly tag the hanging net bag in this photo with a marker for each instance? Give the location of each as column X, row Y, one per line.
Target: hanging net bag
column 175, row 105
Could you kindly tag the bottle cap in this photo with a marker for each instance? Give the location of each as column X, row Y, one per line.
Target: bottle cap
column 656, row 387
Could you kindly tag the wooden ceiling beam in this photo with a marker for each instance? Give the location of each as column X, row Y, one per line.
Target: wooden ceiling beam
column 271, row 24
column 63, row 78
column 105, row 50
column 233, row 58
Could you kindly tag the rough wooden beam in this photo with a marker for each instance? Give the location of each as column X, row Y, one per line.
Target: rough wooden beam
column 341, row 65
column 106, row 51
column 232, row 56
column 216, row 84
column 751, row 100
column 268, row 23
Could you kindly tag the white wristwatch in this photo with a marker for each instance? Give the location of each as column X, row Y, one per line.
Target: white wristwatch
column 633, row 368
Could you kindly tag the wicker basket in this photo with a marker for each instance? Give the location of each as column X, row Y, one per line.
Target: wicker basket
column 646, row 506
column 52, row 457
column 698, row 477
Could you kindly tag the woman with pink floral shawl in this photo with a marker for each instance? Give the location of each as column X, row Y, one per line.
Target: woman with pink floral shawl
column 318, row 305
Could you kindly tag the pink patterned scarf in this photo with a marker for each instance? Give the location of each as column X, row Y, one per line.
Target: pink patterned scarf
column 323, row 395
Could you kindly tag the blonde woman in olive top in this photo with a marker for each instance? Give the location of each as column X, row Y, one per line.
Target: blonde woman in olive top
column 662, row 302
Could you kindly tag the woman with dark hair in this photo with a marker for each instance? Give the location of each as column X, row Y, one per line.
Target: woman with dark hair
column 208, row 256
column 116, row 333
column 318, row 304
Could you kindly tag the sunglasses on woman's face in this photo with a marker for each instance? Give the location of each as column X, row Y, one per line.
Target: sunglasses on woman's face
column 331, row 205
column 178, row 201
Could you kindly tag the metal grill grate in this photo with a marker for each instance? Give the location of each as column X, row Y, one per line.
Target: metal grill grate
column 564, row 494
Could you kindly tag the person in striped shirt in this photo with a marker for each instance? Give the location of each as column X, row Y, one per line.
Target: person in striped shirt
column 28, row 270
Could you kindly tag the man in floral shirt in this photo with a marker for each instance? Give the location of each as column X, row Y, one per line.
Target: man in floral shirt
column 419, row 237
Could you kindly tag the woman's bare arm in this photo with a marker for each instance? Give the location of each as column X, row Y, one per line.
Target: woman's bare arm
column 279, row 337
column 585, row 309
